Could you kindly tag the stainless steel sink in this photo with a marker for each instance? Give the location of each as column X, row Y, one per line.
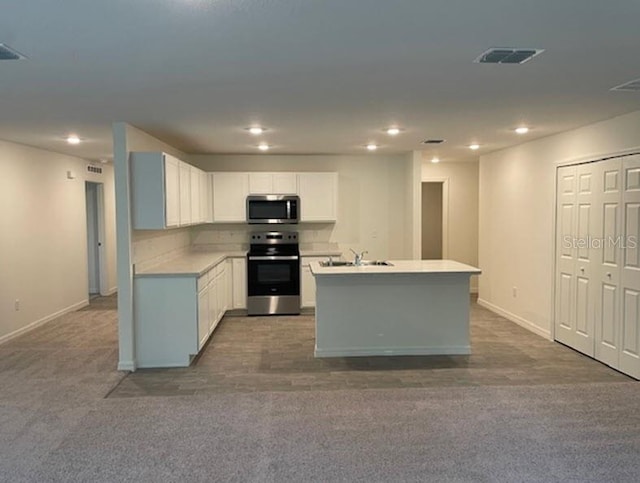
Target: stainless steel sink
column 336, row 263
column 363, row 263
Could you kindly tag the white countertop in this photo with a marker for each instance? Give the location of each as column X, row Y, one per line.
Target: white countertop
column 192, row 264
column 196, row 263
column 398, row 267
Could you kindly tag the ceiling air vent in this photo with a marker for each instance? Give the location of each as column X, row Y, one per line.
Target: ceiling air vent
column 433, row 141
column 506, row 55
column 7, row 53
column 94, row 169
column 631, row 86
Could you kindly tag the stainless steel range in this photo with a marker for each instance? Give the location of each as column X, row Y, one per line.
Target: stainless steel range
column 273, row 269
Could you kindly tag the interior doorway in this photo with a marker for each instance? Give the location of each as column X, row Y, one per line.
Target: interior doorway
column 434, row 220
column 95, row 238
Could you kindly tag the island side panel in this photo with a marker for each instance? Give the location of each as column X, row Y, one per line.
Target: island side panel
column 392, row 314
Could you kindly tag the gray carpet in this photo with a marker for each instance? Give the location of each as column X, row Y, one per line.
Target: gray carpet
column 543, row 433
column 56, row 425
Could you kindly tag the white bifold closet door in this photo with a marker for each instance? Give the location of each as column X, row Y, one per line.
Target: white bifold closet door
column 597, row 293
column 607, row 279
column 575, row 305
column 630, row 279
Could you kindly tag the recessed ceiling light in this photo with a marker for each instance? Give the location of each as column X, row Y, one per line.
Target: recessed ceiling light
column 263, row 147
column 255, row 130
column 73, row 139
column 372, row 146
column 474, row 146
column 521, row 130
column 435, row 160
column 393, row 131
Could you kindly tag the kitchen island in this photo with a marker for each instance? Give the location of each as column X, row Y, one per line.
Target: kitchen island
column 411, row 307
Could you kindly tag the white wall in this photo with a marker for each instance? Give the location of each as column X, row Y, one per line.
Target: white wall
column 371, row 198
column 462, row 216
column 517, row 203
column 43, row 237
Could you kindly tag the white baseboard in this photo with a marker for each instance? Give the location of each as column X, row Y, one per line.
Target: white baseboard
column 381, row 351
column 110, row 291
column 42, row 321
column 527, row 324
column 126, row 366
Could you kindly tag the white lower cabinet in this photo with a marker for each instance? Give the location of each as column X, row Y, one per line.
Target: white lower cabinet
column 174, row 316
column 204, row 314
column 239, row 283
column 308, row 282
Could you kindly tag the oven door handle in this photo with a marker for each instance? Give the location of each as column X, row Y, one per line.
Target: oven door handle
column 275, row 257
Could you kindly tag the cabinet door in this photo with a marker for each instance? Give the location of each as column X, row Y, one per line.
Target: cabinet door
column 230, row 192
column 213, row 305
column 172, row 190
column 318, row 196
column 185, row 194
column 228, row 284
column 205, row 198
column 195, row 195
column 308, row 288
column 239, row 283
column 261, row 183
column 285, row 184
column 203, row 317
column 220, row 293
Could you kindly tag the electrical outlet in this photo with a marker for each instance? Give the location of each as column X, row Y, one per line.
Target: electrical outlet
column 514, row 292
column 17, row 304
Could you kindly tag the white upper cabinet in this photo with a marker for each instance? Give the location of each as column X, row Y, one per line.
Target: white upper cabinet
column 167, row 192
column 172, row 191
column 155, row 191
column 318, row 196
column 196, row 216
column 230, row 191
column 205, row 198
column 273, row 183
column 185, row 194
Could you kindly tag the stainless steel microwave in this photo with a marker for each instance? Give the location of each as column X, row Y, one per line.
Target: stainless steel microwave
column 273, row 209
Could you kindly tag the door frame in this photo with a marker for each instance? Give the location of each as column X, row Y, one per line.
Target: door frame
column 445, row 211
column 103, row 288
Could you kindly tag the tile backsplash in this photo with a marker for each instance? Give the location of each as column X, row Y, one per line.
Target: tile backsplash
column 151, row 247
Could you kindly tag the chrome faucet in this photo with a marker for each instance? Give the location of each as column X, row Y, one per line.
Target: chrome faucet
column 358, row 256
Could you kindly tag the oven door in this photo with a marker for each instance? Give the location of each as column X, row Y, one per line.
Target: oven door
column 273, row 275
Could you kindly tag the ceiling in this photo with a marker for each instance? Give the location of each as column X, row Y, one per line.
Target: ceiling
column 323, row 76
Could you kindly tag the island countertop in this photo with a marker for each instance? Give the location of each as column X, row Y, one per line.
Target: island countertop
column 397, row 267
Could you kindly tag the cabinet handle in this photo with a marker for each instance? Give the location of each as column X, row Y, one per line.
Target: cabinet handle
column 609, row 274
column 582, row 269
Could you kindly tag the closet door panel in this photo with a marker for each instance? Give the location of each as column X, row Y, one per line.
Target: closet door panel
column 607, row 230
column 566, row 249
column 586, row 258
column 630, row 280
